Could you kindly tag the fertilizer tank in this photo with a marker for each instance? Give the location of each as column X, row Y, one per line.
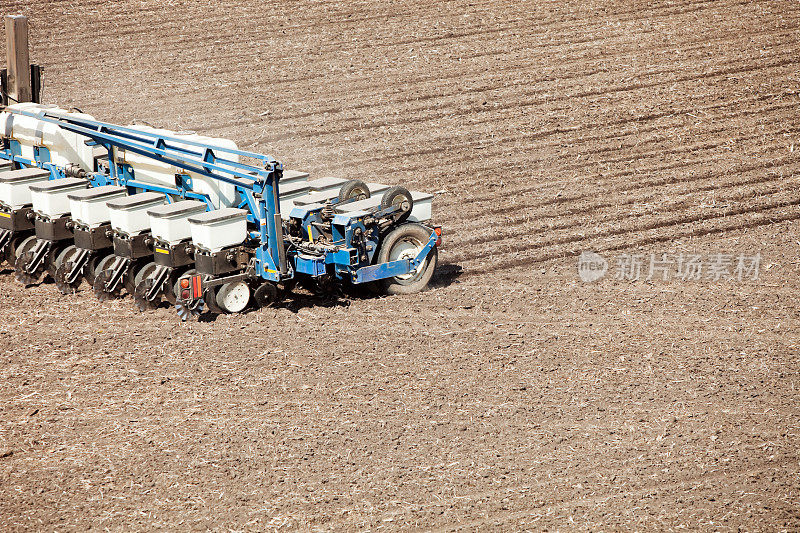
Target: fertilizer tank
column 149, row 170
column 65, row 147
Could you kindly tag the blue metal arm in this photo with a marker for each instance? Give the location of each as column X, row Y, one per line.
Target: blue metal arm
column 395, row 268
column 165, row 148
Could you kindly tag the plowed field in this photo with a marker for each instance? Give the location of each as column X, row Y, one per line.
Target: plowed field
column 512, row 395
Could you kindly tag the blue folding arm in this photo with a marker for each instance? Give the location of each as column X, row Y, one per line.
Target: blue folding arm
column 257, row 186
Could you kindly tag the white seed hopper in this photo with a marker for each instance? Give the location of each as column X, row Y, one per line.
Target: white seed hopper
column 50, row 199
column 88, row 207
column 129, row 215
column 15, row 185
column 170, row 223
column 214, row 230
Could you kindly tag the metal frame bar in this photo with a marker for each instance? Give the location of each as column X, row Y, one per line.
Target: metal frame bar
column 395, row 268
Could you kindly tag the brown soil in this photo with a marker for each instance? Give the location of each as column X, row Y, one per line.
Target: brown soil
column 510, row 396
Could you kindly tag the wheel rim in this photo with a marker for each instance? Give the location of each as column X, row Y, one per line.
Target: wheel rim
column 406, row 248
column 358, row 194
column 233, row 297
column 400, row 201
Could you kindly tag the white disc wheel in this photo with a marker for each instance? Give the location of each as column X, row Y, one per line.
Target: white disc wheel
column 233, row 297
column 406, row 248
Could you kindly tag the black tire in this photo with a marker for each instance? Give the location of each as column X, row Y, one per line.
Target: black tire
column 400, row 244
column 354, row 190
column 398, row 197
column 267, row 294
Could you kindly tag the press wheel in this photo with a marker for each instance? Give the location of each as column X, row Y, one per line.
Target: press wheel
column 24, row 255
column 102, row 273
column 267, row 294
column 63, row 266
column 233, row 297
